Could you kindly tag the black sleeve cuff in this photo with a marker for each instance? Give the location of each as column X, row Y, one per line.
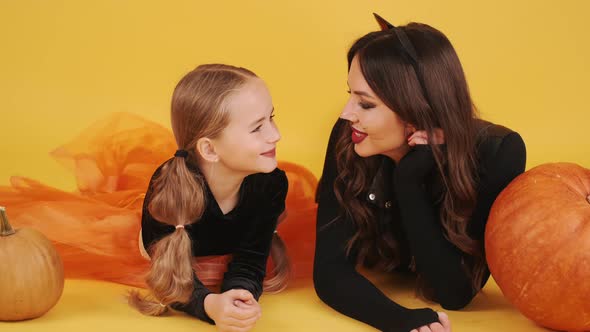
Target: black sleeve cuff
column 417, row 318
column 196, row 305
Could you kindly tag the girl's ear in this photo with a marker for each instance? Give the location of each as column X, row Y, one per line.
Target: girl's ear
column 206, row 149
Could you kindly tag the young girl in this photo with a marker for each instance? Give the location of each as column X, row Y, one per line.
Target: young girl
column 221, row 194
column 95, row 228
column 409, row 179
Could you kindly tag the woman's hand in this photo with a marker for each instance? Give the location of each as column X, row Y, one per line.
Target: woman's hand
column 443, row 326
column 233, row 311
column 421, row 137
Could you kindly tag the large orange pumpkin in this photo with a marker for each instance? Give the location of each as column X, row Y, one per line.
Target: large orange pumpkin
column 31, row 273
column 538, row 245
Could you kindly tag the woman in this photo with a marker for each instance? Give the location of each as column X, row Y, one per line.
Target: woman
column 409, row 178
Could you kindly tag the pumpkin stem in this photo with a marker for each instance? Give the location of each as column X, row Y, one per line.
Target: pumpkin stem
column 5, row 228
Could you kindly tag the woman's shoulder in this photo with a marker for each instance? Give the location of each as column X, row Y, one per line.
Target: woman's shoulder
column 494, row 139
column 491, row 137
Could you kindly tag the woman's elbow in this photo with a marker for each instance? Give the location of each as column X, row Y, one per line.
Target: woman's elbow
column 323, row 286
column 455, row 300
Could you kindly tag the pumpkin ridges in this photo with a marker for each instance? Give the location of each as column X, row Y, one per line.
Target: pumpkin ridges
column 41, row 253
column 557, row 291
column 34, row 278
column 575, row 176
column 549, row 257
column 49, row 260
column 545, row 270
column 15, row 297
column 536, row 177
column 537, row 227
column 506, row 197
column 508, row 211
column 513, row 251
column 22, row 282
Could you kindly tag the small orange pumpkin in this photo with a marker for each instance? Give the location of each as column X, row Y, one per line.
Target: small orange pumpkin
column 32, row 276
column 538, row 245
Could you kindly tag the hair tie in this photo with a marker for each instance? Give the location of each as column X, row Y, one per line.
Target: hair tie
column 179, row 226
column 181, row 153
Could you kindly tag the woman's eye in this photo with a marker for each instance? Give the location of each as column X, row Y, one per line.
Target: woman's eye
column 366, row 106
column 257, row 129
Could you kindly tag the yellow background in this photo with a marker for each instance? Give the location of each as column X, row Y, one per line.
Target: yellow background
column 66, row 64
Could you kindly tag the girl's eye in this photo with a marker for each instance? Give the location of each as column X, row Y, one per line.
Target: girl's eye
column 271, row 118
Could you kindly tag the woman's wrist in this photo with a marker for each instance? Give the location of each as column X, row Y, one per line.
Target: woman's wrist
column 415, row 166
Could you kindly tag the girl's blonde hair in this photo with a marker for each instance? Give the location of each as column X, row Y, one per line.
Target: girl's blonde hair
column 199, row 109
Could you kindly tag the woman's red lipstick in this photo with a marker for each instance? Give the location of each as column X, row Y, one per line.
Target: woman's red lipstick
column 358, row 136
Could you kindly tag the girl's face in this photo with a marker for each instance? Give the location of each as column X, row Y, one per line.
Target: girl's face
column 376, row 129
column 247, row 145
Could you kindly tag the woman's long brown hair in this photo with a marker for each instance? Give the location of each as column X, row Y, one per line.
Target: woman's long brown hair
column 199, row 109
column 448, row 106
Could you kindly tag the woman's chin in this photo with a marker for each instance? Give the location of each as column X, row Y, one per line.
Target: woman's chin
column 362, row 151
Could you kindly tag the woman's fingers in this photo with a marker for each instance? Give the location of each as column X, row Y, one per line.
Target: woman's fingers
column 421, row 137
column 436, row 327
column 445, row 321
column 418, row 137
column 439, row 136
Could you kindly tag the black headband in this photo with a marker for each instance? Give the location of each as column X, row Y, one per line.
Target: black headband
column 408, row 49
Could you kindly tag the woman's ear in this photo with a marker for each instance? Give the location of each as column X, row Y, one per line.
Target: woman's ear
column 409, row 130
column 206, row 149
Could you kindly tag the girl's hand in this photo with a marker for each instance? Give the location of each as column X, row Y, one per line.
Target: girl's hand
column 233, row 311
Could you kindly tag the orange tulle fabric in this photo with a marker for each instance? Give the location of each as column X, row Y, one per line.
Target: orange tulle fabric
column 96, row 228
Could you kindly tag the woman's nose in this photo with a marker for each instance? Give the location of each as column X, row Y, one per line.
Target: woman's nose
column 348, row 113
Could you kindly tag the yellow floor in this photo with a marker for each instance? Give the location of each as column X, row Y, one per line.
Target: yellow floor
column 98, row 306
